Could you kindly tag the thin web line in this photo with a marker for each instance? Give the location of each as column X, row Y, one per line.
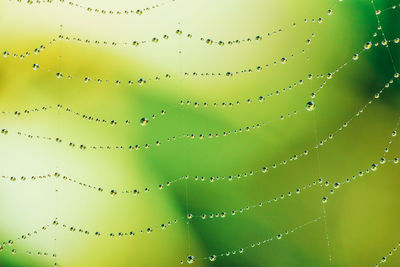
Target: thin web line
column 380, row 28
column 325, row 218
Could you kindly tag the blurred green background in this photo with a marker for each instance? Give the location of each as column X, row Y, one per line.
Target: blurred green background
column 361, row 217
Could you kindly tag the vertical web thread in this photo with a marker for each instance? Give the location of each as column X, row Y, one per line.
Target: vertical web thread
column 325, row 217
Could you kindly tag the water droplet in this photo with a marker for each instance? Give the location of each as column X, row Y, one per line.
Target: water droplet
column 374, row 167
column 367, row 45
column 310, row 106
column 144, row 121
column 190, row 259
column 212, row 258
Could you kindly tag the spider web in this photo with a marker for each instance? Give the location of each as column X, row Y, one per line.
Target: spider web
column 277, row 147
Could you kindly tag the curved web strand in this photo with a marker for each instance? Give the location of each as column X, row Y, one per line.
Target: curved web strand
column 393, row 7
column 5, row 244
column 33, row 52
column 92, row 118
column 201, row 136
column 237, row 251
column 264, row 203
column 279, row 236
column 385, row 258
column 374, row 166
column 120, row 234
column 143, row 81
column 150, row 229
column 56, row 175
column 264, row 170
column 208, row 41
column 196, row 104
column 190, row 36
column 301, row 82
column 154, row 40
column 252, row 245
column 96, row 10
column 306, row 152
column 212, row 179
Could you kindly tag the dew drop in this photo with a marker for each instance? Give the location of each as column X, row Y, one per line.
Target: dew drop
column 212, row 258
column 310, row 106
column 144, row 121
column 367, row 45
column 374, row 167
column 190, row 259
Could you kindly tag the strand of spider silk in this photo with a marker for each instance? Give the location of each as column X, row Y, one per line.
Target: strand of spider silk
column 143, row 120
column 213, row 257
column 382, row 160
column 96, row 10
column 10, row 243
column 260, row 99
column 355, row 57
column 260, row 204
column 305, row 153
column 100, row 189
column 282, row 60
column 310, row 76
column 393, row 7
column 229, row 178
column 120, row 234
column 191, row 259
column 384, row 42
column 390, row 253
column 158, row 143
column 366, row 46
column 208, row 41
column 318, row 165
column 163, row 226
column 28, row 53
column 239, row 176
column 390, row 141
column 190, row 36
column 142, row 81
column 320, row 181
column 30, row 253
column 55, row 175
column 368, row 171
column 178, row 32
column 24, row 236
